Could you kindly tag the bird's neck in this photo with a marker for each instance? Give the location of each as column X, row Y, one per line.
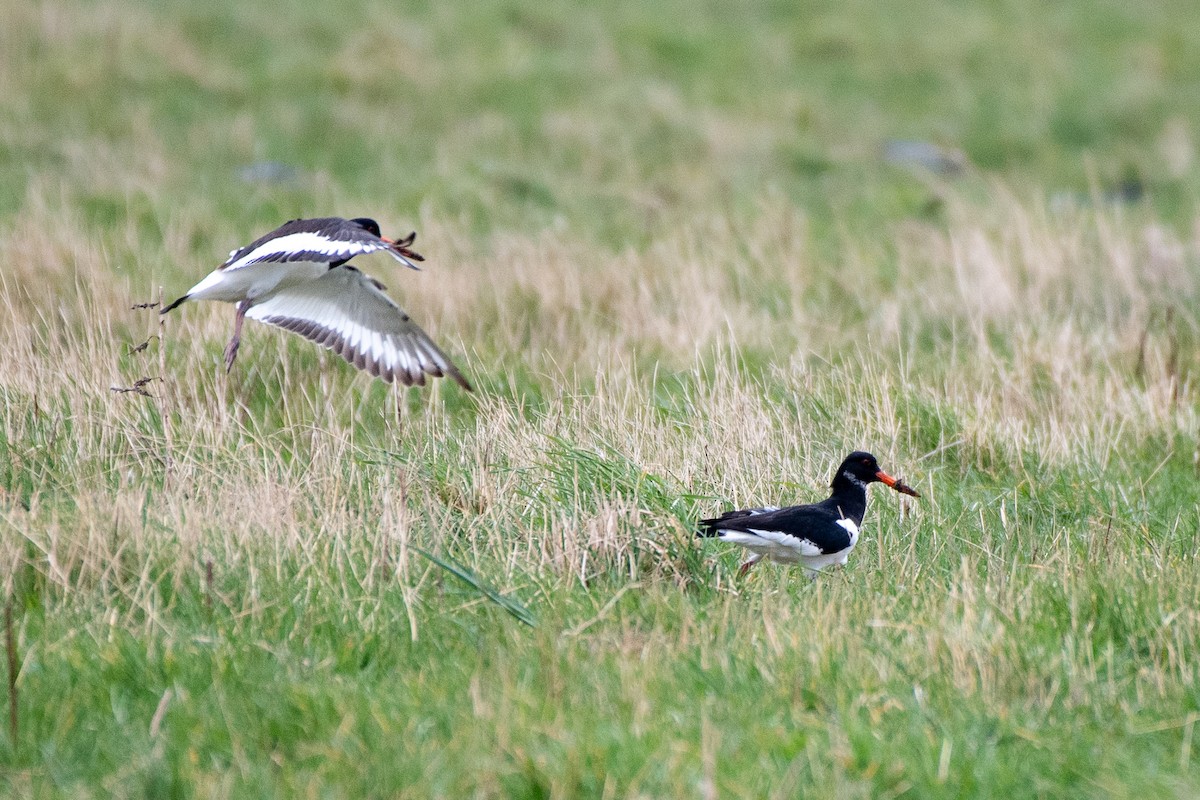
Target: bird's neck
column 850, row 497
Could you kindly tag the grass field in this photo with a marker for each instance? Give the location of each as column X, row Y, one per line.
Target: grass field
column 664, row 243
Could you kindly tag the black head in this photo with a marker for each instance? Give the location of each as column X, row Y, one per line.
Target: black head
column 368, row 224
column 862, row 467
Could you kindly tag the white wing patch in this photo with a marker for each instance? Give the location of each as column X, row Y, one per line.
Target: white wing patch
column 304, row 242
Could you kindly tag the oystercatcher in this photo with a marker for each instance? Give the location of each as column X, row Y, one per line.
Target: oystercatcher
column 297, row 278
column 815, row 535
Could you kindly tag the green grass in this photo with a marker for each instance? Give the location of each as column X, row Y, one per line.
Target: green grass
column 665, row 246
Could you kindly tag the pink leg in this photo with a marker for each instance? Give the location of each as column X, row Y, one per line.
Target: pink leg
column 231, row 349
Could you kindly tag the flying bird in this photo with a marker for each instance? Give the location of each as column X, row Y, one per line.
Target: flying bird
column 814, row 535
column 297, row 278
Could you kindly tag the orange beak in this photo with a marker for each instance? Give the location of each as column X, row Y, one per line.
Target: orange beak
column 896, row 483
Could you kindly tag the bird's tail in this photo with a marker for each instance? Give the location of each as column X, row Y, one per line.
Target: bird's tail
column 713, row 527
column 172, row 306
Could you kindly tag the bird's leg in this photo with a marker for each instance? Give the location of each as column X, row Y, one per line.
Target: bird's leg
column 747, row 564
column 231, row 349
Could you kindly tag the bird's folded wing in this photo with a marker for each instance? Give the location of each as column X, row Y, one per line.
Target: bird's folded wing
column 802, row 545
column 347, row 312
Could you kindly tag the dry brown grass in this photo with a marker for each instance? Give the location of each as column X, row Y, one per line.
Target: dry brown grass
column 1029, row 332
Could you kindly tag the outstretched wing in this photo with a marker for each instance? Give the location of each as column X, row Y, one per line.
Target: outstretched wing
column 347, row 312
column 330, row 240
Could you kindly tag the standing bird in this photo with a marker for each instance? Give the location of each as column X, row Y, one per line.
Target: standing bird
column 815, row 535
column 297, row 278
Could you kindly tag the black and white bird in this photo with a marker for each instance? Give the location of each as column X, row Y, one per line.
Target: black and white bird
column 297, row 278
column 815, row 535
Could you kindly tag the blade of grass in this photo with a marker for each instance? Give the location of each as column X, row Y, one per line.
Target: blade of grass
column 513, row 607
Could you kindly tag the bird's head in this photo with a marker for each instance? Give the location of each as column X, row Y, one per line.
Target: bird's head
column 862, row 467
column 369, row 225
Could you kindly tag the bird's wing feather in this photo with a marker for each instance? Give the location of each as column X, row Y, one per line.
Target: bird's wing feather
column 324, row 240
column 347, row 312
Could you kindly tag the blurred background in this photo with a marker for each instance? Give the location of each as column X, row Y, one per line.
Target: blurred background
column 602, row 119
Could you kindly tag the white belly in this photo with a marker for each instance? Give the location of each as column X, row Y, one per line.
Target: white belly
column 254, row 281
column 817, row 563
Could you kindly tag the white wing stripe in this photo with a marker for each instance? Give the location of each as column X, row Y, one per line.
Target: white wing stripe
column 346, row 312
column 305, row 242
column 359, row 345
column 433, row 355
